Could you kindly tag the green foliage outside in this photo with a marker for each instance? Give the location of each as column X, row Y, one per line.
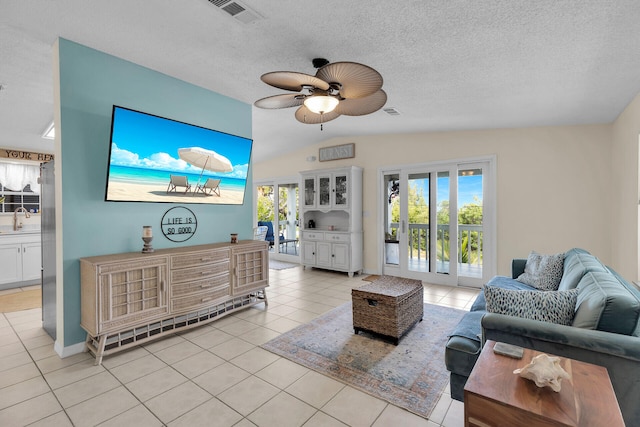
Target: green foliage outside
column 265, row 203
column 469, row 214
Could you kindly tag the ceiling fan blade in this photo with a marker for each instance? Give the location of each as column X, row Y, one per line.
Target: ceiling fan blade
column 357, row 80
column 291, row 80
column 304, row 115
column 362, row 106
column 280, row 101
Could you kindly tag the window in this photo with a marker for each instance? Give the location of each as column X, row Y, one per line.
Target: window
column 12, row 200
column 19, row 187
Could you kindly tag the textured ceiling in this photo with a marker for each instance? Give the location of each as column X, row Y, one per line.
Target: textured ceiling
column 447, row 65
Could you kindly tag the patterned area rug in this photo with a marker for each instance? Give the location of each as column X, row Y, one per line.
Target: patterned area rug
column 280, row 265
column 411, row 375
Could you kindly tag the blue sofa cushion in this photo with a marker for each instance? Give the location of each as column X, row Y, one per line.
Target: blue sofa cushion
column 577, row 263
column 606, row 305
column 546, row 306
column 543, row 271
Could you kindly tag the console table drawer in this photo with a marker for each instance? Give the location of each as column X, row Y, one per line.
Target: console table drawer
column 204, row 298
column 199, row 258
column 201, row 272
column 313, row 235
column 187, row 288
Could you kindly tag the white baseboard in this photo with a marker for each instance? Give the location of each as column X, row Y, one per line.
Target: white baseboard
column 70, row 350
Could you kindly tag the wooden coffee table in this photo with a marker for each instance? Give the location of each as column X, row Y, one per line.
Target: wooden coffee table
column 495, row 396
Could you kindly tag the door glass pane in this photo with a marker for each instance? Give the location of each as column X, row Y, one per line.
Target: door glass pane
column 288, row 219
column 470, row 231
column 418, row 222
column 392, row 219
column 266, row 207
column 442, row 218
column 324, row 187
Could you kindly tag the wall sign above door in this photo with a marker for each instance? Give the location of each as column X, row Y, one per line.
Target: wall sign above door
column 179, row 224
column 337, row 152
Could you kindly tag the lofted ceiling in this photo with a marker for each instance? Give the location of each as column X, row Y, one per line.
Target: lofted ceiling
column 447, row 65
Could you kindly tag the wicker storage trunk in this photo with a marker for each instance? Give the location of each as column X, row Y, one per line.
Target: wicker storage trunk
column 389, row 306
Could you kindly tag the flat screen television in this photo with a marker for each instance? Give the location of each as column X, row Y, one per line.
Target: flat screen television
column 160, row 160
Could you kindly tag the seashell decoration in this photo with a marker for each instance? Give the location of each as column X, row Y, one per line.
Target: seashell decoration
column 545, row 371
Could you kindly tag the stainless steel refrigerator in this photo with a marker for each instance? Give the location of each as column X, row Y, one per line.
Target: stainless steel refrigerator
column 48, row 230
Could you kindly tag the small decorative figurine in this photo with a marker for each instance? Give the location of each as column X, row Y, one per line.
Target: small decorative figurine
column 545, row 371
column 147, row 237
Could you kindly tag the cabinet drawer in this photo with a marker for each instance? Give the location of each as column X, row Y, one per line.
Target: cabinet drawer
column 313, row 235
column 203, row 298
column 187, row 288
column 200, row 272
column 199, row 258
column 337, row 237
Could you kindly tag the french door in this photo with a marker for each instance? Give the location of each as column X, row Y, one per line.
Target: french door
column 439, row 224
column 277, row 203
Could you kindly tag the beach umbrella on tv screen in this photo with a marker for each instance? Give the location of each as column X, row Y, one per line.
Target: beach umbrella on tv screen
column 205, row 159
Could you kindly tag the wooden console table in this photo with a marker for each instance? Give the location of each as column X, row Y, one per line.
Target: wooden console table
column 495, row 396
column 128, row 299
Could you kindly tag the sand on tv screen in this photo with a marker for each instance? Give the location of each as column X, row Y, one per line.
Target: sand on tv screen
column 155, row 159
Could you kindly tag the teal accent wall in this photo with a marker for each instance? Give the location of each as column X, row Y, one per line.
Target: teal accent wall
column 91, row 82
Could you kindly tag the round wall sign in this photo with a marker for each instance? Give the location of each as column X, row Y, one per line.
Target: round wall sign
column 179, row 224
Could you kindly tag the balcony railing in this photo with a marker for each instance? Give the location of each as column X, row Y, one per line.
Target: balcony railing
column 470, row 241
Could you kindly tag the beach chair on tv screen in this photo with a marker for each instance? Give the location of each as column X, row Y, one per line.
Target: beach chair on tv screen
column 212, row 186
column 178, row 181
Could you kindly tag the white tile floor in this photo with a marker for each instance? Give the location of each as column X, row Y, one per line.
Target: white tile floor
column 212, row 375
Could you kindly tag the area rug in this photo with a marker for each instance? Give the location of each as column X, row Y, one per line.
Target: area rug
column 411, row 375
column 18, row 301
column 371, row 278
column 280, row 265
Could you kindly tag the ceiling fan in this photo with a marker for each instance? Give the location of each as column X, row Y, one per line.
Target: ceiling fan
column 337, row 88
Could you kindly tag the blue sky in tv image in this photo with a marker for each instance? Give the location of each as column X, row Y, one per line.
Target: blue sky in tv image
column 144, row 149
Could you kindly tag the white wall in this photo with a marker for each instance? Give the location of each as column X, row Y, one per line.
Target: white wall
column 553, row 183
column 625, row 191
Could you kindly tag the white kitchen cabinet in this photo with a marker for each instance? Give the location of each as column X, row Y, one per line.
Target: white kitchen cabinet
column 11, row 263
column 31, row 261
column 20, row 259
column 333, row 202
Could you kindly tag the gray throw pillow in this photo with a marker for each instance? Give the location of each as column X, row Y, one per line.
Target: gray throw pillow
column 543, row 272
column 551, row 306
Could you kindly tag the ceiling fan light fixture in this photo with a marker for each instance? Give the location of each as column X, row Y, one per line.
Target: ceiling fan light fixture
column 321, row 104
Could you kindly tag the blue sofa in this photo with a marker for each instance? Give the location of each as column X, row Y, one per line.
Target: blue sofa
column 607, row 304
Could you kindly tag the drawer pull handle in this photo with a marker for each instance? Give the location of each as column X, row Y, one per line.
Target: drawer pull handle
column 206, row 299
column 206, row 259
column 205, row 286
column 372, row 302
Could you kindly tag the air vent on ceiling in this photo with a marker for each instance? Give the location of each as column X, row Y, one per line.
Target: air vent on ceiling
column 237, row 10
column 391, row 111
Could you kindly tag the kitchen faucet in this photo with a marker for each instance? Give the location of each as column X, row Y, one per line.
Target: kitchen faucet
column 16, row 225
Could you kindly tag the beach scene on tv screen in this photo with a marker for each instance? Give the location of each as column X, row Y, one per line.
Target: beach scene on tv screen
column 154, row 159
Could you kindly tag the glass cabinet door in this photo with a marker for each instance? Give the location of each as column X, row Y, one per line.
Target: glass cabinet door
column 341, row 196
column 324, row 191
column 309, row 192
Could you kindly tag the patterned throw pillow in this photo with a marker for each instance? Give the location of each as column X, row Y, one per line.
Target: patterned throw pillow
column 551, row 306
column 543, row 272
